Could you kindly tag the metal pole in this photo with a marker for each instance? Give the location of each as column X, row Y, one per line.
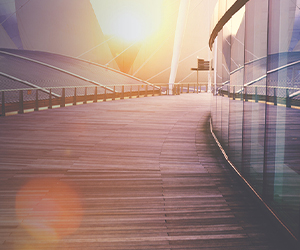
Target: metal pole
column 85, row 95
column 3, row 104
column 288, row 99
column 130, row 96
column 95, row 97
column 50, row 99
column 122, row 96
column 256, row 97
column 21, row 107
column 36, row 100
column 62, row 100
column 74, row 99
column 197, row 82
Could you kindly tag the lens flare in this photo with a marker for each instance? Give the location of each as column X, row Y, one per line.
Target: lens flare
column 48, row 209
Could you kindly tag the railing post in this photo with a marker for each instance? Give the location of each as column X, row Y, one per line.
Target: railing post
column 63, row 101
column 288, row 99
column 36, row 100
column 256, row 97
column 85, row 95
column 3, row 103
column 114, row 94
column 21, row 104
column 104, row 99
column 130, row 93
column 160, row 90
column 50, row 99
column 153, row 89
column 122, row 94
column 194, row 88
column 146, row 91
column 188, row 89
column 275, row 97
column 242, row 94
column 197, row 88
column 246, row 96
column 74, row 98
column 233, row 93
column 138, row 95
column 95, row 96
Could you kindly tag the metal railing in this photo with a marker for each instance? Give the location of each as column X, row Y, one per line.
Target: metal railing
column 287, row 96
column 34, row 99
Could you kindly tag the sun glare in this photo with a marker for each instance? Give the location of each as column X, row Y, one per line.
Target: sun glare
column 128, row 27
column 130, row 20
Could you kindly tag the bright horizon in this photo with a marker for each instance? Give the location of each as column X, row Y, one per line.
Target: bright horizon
column 130, row 20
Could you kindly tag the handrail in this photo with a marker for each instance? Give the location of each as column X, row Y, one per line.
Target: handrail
column 56, row 68
column 10, row 103
column 26, row 83
column 224, row 19
column 103, row 67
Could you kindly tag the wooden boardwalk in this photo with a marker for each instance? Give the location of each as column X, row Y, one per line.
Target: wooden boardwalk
column 128, row 174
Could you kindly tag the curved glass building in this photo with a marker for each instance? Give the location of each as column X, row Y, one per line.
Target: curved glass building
column 255, row 114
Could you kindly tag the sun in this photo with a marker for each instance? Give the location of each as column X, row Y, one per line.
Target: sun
column 130, row 20
column 129, row 27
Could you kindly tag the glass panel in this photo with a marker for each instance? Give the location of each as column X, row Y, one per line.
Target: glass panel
column 226, row 58
column 254, row 112
column 282, row 189
column 236, row 84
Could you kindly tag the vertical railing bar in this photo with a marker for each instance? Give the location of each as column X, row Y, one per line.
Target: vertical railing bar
column 96, row 95
column 104, row 99
column 130, row 95
column 275, row 97
column 21, row 104
column 63, row 100
column 3, row 103
column 50, row 99
column 256, row 97
column 36, row 100
column 122, row 95
column 85, row 95
column 242, row 94
column 233, row 93
column 288, row 99
column 74, row 98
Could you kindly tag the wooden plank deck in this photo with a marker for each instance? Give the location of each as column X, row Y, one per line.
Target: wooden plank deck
column 128, row 174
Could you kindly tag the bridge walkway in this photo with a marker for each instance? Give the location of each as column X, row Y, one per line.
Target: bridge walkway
column 143, row 173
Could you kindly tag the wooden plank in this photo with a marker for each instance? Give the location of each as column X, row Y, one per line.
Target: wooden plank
column 140, row 173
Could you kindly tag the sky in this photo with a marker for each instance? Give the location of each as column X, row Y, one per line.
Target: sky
column 132, row 20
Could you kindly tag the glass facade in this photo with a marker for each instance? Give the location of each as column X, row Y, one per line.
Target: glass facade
column 256, row 114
